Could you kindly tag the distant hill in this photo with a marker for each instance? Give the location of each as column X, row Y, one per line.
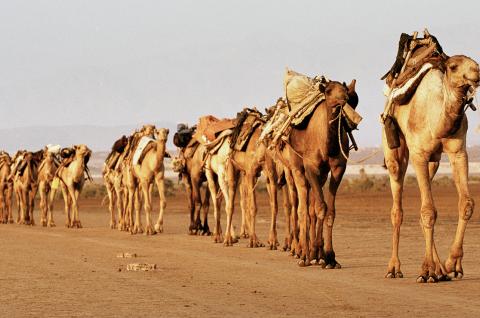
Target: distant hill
column 473, row 155
column 97, row 138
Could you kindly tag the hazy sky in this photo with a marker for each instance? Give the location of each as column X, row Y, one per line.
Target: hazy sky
column 127, row 62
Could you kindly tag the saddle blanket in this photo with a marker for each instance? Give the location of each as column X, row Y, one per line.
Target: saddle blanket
column 140, row 147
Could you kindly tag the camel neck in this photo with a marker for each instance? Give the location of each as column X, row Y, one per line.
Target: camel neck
column 453, row 109
column 160, row 154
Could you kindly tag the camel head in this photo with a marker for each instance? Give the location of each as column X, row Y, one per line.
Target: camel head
column 83, row 151
column 162, row 134
column 335, row 93
column 148, row 130
column 462, row 72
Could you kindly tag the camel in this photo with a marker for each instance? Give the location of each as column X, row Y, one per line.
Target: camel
column 71, row 174
column 229, row 165
column 433, row 122
column 25, row 184
column 219, row 170
column 312, row 153
column 109, row 181
column 191, row 172
column 149, row 170
column 46, row 173
column 6, row 189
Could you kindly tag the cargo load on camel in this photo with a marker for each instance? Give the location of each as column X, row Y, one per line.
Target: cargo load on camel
column 302, row 95
column 415, row 58
column 210, row 127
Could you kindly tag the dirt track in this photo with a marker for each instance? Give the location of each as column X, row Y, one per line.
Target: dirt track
column 62, row 272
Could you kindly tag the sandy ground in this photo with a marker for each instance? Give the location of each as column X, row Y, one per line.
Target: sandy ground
column 63, row 272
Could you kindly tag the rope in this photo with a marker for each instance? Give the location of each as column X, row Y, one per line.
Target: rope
column 341, row 113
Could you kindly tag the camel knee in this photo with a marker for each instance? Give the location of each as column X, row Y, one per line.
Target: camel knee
column 428, row 217
column 330, row 217
column 465, row 208
column 396, row 216
column 394, row 169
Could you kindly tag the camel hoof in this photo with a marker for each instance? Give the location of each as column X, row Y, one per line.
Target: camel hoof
column 390, row 275
column 304, row 263
column 51, row 224
column 314, row 262
column 432, row 279
column 443, row 278
column 159, row 228
column 421, row 279
column 455, row 274
column 150, row 231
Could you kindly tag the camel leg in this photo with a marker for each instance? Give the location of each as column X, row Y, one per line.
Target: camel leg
column 302, row 191
column 3, row 211
column 9, row 203
column 147, row 206
column 136, row 204
column 43, row 203
column 226, row 190
column 50, row 200
column 459, row 164
column 316, row 178
column 396, row 161
column 428, row 217
column 293, row 198
column 66, row 201
column 205, row 207
column 252, row 209
column 312, row 237
column 244, row 228
column 111, row 204
column 197, row 205
column 287, row 207
column 440, row 271
column 335, row 180
column 272, row 195
column 120, row 210
column 160, row 180
column 212, row 185
column 190, row 203
column 31, row 204
column 23, row 208
column 75, row 220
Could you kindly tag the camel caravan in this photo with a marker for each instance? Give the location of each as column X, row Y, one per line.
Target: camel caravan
column 43, row 171
column 301, row 145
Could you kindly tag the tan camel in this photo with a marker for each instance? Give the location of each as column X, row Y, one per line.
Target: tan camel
column 72, row 179
column 310, row 157
column 149, row 170
column 25, row 184
column 109, row 181
column 46, row 173
column 432, row 122
column 6, row 189
column 219, row 170
column 110, row 174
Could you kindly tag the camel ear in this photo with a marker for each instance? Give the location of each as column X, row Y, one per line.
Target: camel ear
column 351, row 86
column 322, row 88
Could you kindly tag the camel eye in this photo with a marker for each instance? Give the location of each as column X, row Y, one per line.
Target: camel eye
column 453, row 67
